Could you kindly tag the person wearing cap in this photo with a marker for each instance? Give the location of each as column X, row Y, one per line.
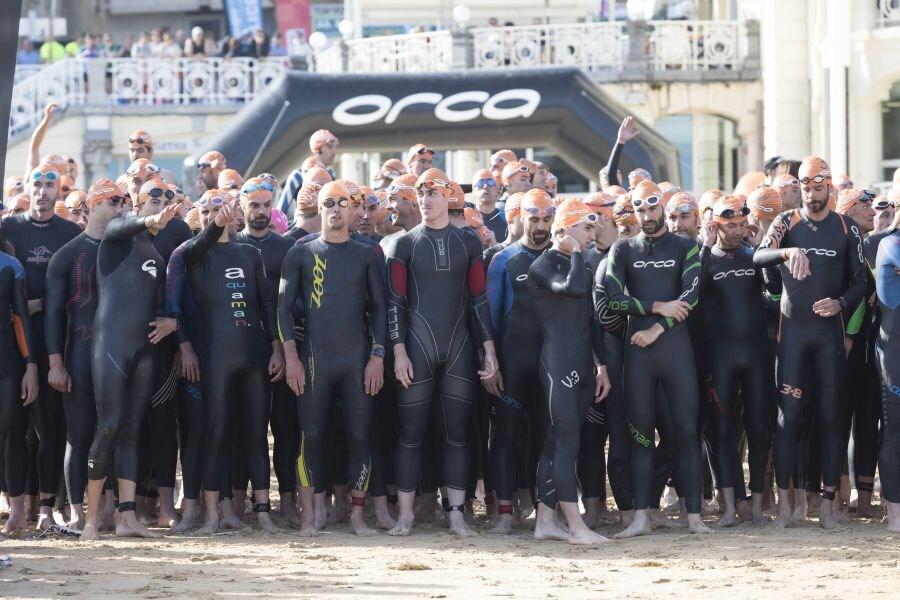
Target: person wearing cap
column 605, row 231
column 383, row 224
column 229, row 179
column 788, row 186
column 516, row 390
column 436, row 278
column 140, row 145
column 486, row 193
column 342, row 290
column 76, row 203
column 60, row 210
column 419, row 159
column 138, row 173
column 764, row 204
column 13, row 186
column 623, row 217
column 17, row 205
column 660, row 271
column 390, row 170
column 455, row 207
column 771, row 166
column 240, row 355
column 682, row 215
column 884, row 213
column 323, row 144
column 475, row 222
column 256, row 200
column 306, row 212
column 736, row 349
column 705, row 204
column 402, row 203
column 208, row 168
column 571, row 368
column 887, row 288
column 365, row 225
column 819, row 254
column 68, row 332
column 33, row 237
column 498, row 160
column 551, row 183
column 842, row 182
column 516, row 177
column 129, row 273
column 514, row 230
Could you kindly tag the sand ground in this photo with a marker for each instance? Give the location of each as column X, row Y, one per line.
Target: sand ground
column 860, row 559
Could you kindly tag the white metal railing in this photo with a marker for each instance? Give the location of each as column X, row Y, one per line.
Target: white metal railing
column 190, row 81
column 695, row 45
column 591, row 46
column 62, row 82
column 408, row 53
column 889, row 12
column 26, row 71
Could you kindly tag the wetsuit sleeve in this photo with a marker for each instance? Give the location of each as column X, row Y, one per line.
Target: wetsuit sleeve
column 176, row 279
column 887, row 264
column 123, row 229
column 617, row 300
column 196, row 248
column 610, row 321
column 596, row 333
column 770, row 251
column 291, row 187
column 690, row 276
column 55, row 322
column 397, row 255
column 288, row 293
column 20, row 320
column 496, row 287
column 612, row 167
column 856, row 273
column 377, row 300
column 481, row 310
column 265, row 294
column 573, row 284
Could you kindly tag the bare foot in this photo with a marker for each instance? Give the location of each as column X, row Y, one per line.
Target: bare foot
column 166, row 519
column 550, row 531
column 826, row 516
column 585, row 537
column 289, row 510
column 728, row 519
column 784, row 514
column 89, row 534
column 320, row 517
column 129, row 526
column 229, row 520
column 383, row 518
column 503, row 524
column 839, row 515
column 77, row 519
column 640, row 525
column 107, row 519
column 210, row 527
column 756, row 511
column 659, row 519
column 264, row 520
column 14, row 523
column 458, row 525
column 526, row 503
column 869, row 511
column 358, row 524
column 744, row 512
column 696, row 525
column 45, row 519
column 189, row 518
column 404, row 525
column 341, row 511
column 626, row 516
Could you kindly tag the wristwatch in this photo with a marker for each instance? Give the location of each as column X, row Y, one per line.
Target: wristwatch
column 843, row 302
column 377, row 351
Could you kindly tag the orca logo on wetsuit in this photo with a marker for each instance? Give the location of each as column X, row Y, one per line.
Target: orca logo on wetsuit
column 820, row 252
column 238, row 301
column 736, row 273
column 656, row 264
column 318, row 281
column 522, row 277
column 149, row 266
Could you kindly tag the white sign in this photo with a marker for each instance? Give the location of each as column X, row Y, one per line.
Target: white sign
column 36, row 28
column 380, row 107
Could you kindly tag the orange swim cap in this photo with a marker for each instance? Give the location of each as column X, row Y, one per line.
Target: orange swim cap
column 764, row 203
column 572, row 212
column 101, row 190
column 434, row 179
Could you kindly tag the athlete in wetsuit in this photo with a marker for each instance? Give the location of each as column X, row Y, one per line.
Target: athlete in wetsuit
column 516, row 388
column 33, row 238
column 256, row 200
column 435, row 280
column 661, row 273
column 337, row 281
column 733, row 333
column 16, row 391
column 69, row 315
column 887, row 285
column 228, row 281
column 819, row 254
column 130, row 282
column 571, row 366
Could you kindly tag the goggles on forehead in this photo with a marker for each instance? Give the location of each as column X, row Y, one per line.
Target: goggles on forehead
column 539, row 212
column 496, row 160
column 116, row 200
column 330, row 202
column 214, row 201
column 638, row 173
column 788, row 182
column 867, row 196
column 882, row 204
column 48, row 175
column 253, row 187
column 730, row 213
column 203, row 165
column 371, row 199
column 139, row 140
column 553, row 178
column 423, row 150
column 431, row 184
column 816, row 179
column 137, row 169
column 485, row 183
column 680, row 208
column 357, row 198
column 521, row 169
column 394, row 188
column 649, row 201
column 391, row 173
column 591, row 217
column 159, row 192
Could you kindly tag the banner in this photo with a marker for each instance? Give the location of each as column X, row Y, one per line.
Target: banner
column 244, row 16
column 9, row 40
column 293, row 14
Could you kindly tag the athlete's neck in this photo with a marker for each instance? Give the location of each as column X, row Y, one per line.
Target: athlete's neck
column 439, row 222
column 256, row 233
column 95, row 229
column 534, row 246
column 816, row 216
column 721, row 245
column 486, row 207
column 40, row 215
column 335, row 236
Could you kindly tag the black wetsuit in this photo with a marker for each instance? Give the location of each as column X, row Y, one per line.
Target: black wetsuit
column 130, row 279
column 519, row 341
column 283, row 420
column 296, row 233
column 34, row 243
column 496, row 222
column 336, row 284
column 887, row 284
column 16, row 343
column 435, row 284
column 228, row 281
column 738, row 363
column 68, row 326
column 658, row 269
column 572, row 347
column 806, row 340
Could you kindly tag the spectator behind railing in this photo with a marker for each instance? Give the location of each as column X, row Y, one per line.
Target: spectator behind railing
column 52, row 51
column 259, row 45
column 142, row 47
column 28, row 55
column 167, row 48
column 199, row 45
column 276, row 46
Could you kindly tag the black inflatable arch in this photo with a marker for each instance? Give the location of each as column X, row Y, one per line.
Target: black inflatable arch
column 560, row 108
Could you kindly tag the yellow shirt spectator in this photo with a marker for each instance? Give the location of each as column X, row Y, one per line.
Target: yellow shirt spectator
column 52, row 52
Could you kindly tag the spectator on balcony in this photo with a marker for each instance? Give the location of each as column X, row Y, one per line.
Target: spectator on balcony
column 27, row 55
column 51, row 51
column 259, row 45
column 142, row 47
column 109, row 48
column 124, row 49
column 75, row 46
column 276, row 45
column 198, row 45
column 155, row 39
column 234, row 48
column 180, row 37
column 167, row 48
column 91, row 47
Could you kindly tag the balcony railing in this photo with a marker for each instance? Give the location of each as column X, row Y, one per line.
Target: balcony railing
column 622, row 51
column 889, row 12
column 126, row 82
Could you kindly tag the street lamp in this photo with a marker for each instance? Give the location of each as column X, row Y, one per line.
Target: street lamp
column 461, row 14
column 345, row 26
column 318, row 40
